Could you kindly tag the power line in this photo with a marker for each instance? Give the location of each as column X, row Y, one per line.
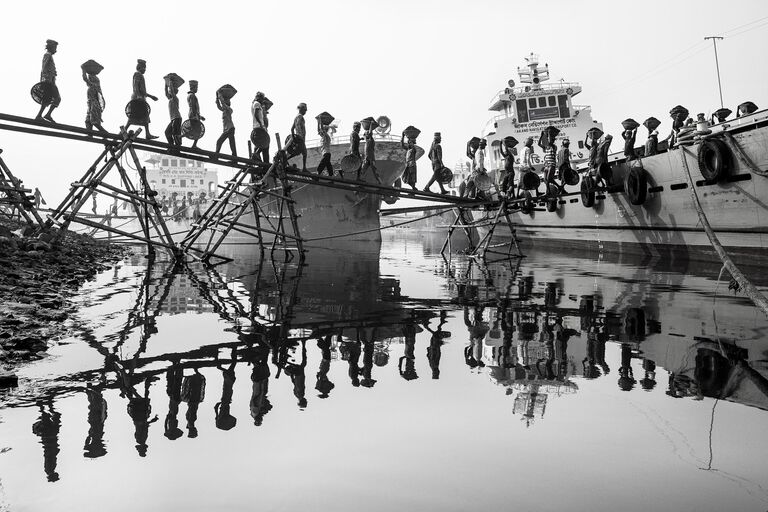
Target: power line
column 728, row 32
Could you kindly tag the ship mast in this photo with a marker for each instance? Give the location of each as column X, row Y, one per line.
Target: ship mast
column 535, row 74
column 717, row 66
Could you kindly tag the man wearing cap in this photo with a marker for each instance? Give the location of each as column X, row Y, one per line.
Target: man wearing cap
column 140, row 93
column 299, row 133
column 52, row 98
column 194, row 107
column 436, row 157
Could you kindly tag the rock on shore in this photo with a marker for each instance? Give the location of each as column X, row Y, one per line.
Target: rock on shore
column 37, row 280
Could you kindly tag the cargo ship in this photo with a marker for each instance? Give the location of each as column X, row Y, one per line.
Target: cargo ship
column 325, row 213
column 648, row 207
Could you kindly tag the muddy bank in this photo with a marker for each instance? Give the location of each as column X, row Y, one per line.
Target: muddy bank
column 37, row 282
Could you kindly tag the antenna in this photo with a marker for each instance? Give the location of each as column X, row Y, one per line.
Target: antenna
column 717, row 65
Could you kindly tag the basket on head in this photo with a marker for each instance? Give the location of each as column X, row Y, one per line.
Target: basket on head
column 226, row 91
column 138, row 111
column 651, row 123
column 174, row 79
column 193, row 129
column 43, row 92
column 746, row 108
column 445, row 176
column 679, row 112
column 474, row 142
column 260, row 138
column 91, row 67
column 369, row 123
column 350, row 163
column 722, row 114
column 530, row 180
column 325, row 118
column 483, row 182
column 551, row 131
column 595, row 133
column 411, row 132
column 510, row 141
column 629, row 124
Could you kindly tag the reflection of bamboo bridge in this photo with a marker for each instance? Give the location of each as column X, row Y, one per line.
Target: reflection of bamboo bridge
column 240, row 196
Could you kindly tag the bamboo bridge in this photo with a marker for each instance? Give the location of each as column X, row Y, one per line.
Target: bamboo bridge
column 253, row 180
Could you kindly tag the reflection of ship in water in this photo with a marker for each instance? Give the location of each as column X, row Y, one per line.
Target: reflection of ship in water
column 538, row 331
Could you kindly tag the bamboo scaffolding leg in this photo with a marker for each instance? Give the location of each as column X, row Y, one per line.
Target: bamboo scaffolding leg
column 16, row 195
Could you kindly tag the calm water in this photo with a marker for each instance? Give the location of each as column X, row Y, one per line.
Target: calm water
column 393, row 380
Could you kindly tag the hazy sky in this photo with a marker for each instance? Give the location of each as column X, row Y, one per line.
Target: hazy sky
column 432, row 64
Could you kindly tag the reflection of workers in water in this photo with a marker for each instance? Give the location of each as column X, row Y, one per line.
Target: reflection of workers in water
column 193, row 393
column 324, row 385
column 626, row 378
column 224, row 418
column 174, row 377
column 478, row 328
column 368, row 350
column 350, row 351
column 140, row 411
column 648, row 382
column 259, row 403
column 298, row 376
column 434, row 351
column 595, row 355
column 97, row 415
column 47, row 429
column 407, row 363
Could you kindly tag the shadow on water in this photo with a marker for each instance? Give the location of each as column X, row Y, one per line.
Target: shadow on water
column 541, row 328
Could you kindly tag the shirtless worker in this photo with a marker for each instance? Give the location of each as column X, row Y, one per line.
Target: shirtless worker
column 436, row 156
column 409, row 176
column 299, row 133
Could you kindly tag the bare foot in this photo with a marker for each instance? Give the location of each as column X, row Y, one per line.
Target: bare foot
column 48, row 117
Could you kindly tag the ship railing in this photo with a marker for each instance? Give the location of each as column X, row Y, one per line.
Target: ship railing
column 542, row 87
column 344, row 139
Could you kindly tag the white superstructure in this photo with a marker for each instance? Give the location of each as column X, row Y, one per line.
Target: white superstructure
column 525, row 110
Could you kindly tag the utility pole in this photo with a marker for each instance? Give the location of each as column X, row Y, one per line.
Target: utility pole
column 717, row 66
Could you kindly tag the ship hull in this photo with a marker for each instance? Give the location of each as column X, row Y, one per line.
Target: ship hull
column 667, row 224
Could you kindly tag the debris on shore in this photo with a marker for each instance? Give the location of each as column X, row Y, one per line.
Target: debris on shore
column 37, row 281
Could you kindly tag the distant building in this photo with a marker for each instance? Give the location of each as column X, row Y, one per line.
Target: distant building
column 169, row 174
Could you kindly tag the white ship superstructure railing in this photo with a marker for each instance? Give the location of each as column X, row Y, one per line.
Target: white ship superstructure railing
column 344, row 139
column 498, row 98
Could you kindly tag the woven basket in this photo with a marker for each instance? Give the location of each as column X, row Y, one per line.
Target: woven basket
column 411, row 132
column 595, row 133
column 483, row 182
column 325, row 118
column 530, row 180
column 174, row 79
column 369, row 123
column 138, row 111
column 629, row 124
column 260, row 138
column 351, row 163
column 91, row 67
column 226, row 91
column 510, row 141
column 651, row 123
column 43, row 92
column 192, row 129
column 445, row 176
column 570, row 177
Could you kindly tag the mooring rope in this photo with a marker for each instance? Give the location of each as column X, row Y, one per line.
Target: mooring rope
column 749, row 289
